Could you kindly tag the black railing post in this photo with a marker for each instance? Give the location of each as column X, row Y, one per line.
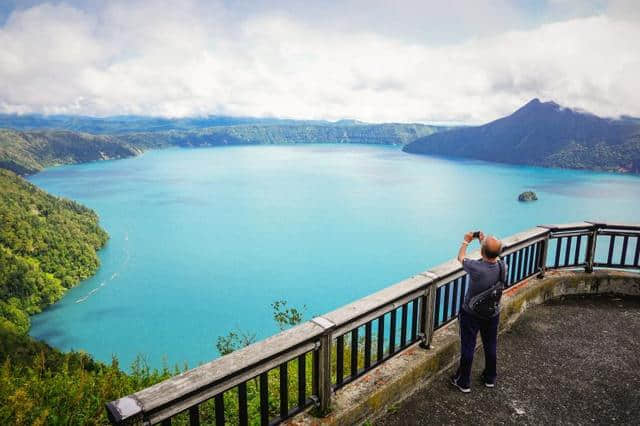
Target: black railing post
column 427, row 315
column 591, row 249
column 324, row 366
column 542, row 258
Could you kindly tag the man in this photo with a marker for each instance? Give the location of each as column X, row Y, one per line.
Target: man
column 483, row 274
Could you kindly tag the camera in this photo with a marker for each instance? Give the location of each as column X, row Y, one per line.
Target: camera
column 476, row 234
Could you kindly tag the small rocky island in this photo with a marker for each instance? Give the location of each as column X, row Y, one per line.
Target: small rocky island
column 527, row 196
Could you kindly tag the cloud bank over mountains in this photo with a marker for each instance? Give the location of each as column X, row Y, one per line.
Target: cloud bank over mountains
column 468, row 63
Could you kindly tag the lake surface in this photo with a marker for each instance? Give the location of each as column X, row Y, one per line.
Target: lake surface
column 203, row 240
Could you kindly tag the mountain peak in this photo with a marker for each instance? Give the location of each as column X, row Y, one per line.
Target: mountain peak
column 535, row 105
column 542, row 133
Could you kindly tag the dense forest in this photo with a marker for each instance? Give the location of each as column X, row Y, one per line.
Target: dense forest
column 47, row 244
column 544, row 134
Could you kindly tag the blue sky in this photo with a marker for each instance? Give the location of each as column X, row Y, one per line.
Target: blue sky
column 374, row 60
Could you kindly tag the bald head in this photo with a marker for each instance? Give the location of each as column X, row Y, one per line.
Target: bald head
column 491, row 247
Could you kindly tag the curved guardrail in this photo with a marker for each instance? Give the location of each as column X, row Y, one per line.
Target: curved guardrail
column 332, row 350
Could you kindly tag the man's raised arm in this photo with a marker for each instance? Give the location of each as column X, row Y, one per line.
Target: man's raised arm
column 468, row 237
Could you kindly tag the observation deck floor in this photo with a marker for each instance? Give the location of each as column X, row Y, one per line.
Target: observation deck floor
column 572, row 360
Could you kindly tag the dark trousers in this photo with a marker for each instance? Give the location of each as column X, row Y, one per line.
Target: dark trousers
column 469, row 327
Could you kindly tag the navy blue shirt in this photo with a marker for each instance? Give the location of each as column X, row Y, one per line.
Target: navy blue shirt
column 482, row 276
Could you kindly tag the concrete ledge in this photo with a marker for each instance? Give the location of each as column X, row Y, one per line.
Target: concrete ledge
column 368, row 396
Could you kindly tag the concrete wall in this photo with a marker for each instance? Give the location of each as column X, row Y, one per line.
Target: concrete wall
column 368, row 396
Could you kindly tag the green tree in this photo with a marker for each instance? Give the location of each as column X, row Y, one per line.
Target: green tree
column 234, row 340
column 287, row 317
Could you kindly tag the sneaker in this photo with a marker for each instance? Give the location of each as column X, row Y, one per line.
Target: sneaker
column 488, row 383
column 454, row 382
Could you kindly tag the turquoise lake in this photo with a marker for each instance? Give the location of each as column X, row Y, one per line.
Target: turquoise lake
column 203, row 240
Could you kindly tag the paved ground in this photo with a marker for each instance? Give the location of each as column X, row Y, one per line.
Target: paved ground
column 570, row 361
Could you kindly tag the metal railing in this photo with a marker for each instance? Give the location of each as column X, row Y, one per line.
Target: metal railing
column 332, row 350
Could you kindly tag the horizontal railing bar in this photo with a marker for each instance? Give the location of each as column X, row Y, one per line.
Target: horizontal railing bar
column 182, row 404
column 570, row 266
column 450, row 282
column 614, row 225
column 203, row 382
column 568, row 226
column 363, row 310
column 615, row 265
column 522, row 238
column 555, row 235
column 445, row 271
column 620, row 233
column 451, row 278
column 382, row 310
column 522, row 245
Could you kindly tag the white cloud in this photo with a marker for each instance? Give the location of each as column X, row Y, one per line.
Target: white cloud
column 192, row 58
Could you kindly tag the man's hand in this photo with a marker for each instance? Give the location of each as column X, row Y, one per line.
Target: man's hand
column 468, row 237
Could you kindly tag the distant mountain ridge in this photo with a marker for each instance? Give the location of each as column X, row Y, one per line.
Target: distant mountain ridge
column 543, row 134
column 26, row 152
column 124, row 123
column 138, row 123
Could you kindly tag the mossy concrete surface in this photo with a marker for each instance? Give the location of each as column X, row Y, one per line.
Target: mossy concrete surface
column 381, row 390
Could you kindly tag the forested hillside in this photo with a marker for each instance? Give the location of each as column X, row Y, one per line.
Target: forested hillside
column 254, row 134
column 544, row 134
column 30, row 152
column 47, row 244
